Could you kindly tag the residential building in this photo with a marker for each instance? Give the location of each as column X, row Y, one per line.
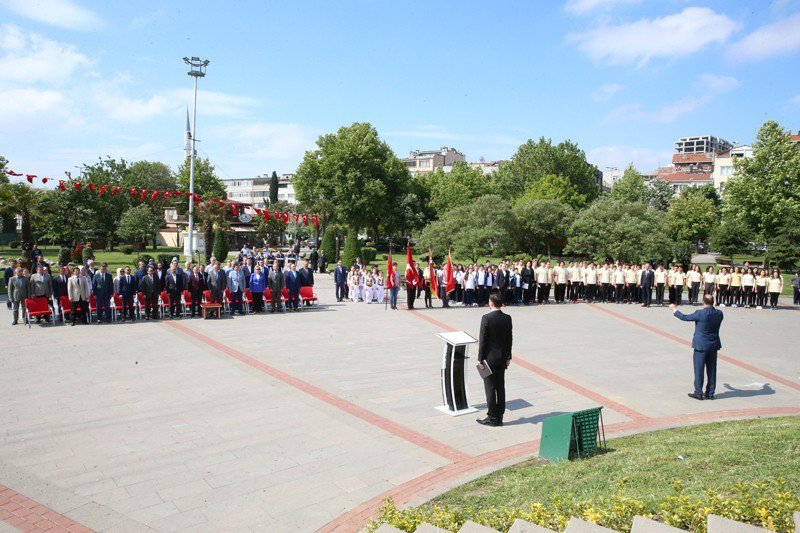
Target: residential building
column 689, row 162
column 487, row 167
column 681, row 179
column 701, row 144
column 424, row 161
column 794, row 137
column 255, row 191
column 723, row 165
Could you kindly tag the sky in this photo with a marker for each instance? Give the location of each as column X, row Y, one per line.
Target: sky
column 624, row 79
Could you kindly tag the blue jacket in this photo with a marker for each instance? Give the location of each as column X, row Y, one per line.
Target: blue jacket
column 127, row 289
column 292, row 280
column 706, row 330
column 258, row 285
column 340, row 275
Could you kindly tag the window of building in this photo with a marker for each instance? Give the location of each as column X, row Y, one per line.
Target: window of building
column 424, row 163
column 411, row 164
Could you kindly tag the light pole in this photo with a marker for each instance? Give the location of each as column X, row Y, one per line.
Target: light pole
column 197, row 69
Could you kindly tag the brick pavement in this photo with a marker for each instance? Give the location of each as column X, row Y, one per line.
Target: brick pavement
column 306, row 421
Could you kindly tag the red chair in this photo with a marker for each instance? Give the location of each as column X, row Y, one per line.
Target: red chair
column 163, row 303
column 247, row 299
column 186, row 301
column 307, row 295
column 38, row 307
column 207, row 306
column 206, row 297
column 226, row 300
column 92, row 306
column 66, row 308
column 138, row 302
column 116, row 307
column 268, row 298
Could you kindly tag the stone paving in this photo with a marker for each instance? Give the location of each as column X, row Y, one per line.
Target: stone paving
column 306, row 421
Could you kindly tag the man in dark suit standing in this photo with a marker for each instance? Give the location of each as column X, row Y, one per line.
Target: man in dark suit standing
column 306, row 276
column 60, row 285
column 275, row 284
column 127, row 290
column 339, row 278
column 149, row 289
column 196, row 286
column 646, row 285
column 173, row 285
column 102, row 289
column 10, row 273
column 706, row 343
column 217, row 283
column 494, row 351
column 292, row 280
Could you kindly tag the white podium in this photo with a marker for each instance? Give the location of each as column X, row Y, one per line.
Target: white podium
column 455, row 393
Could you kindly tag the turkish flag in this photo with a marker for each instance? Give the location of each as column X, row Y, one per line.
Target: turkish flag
column 315, row 220
column 154, row 195
column 305, row 219
column 62, row 185
column 92, row 186
column 77, row 185
column 30, row 177
column 411, row 272
column 449, row 279
column 432, row 274
column 11, row 172
column 134, row 192
column 166, row 194
column 235, row 210
column 389, row 271
column 45, row 180
column 115, row 190
column 286, row 218
column 102, row 189
column 144, row 193
column 277, row 215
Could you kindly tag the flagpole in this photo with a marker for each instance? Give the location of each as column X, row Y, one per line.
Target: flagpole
column 386, row 281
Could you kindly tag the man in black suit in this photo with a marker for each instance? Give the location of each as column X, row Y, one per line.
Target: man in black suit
column 60, row 285
column 339, row 279
column 217, row 283
column 149, row 289
column 646, row 284
column 705, row 343
column 127, row 290
column 173, row 285
column 494, row 351
column 306, row 277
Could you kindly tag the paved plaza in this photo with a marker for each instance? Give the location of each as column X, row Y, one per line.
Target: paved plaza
column 307, row 421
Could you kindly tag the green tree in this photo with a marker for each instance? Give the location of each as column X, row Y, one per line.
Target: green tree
column 460, row 186
column 138, row 225
column 630, row 187
column 784, row 248
column 611, row 227
column 765, row 189
column 19, row 200
column 354, row 177
column 352, row 248
column 220, row 245
column 208, row 185
column 542, row 225
column 482, row 227
column 552, row 187
column 3, row 175
column 273, row 188
column 9, row 223
column 691, row 217
column 329, row 244
column 731, row 236
column 535, row 160
column 273, row 229
column 211, row 216
column 659, row 193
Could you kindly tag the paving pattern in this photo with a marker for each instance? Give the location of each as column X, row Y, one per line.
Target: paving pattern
column 307, row 421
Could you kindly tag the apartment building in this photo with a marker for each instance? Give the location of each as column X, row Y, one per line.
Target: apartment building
column 424, row 161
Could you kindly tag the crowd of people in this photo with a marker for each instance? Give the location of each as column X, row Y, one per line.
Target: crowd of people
column 530, row 282
column 165, row 289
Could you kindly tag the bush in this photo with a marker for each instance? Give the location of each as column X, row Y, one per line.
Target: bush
column 220, row 246
column 329, row 245
column 64, row 256
column 87, row 253
column 767, row 504
column 127, row 249
column 165, row 258
column 77, row 253
column 146, row 258
column 352, row 249
column 368, row 254
column 14, row 244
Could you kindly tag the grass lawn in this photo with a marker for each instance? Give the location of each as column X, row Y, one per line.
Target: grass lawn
column 715, row 456
column 114, row 259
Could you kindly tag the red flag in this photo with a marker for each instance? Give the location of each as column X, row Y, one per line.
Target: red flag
column 296, row 217
column 305, row 219
column 102, row 189
column 167, row 194
column 154, row 195
column 265, row 214
column 389, row 271
column 45, row 180
column 234, row 210
column 315, row 220
column 411, row 272
column 276, row 214
column 115, row 190
column 134, row 192
column 432, row 274
column 12, row 173
column 30, row 177
column 62, row 185
column 449, row 279
column 286, row 218
column 77, row 185
column 92, row 186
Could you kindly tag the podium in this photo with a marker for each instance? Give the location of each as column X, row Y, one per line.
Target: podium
column 455, row 393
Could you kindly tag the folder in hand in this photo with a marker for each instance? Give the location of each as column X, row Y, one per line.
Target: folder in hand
column 485, row 372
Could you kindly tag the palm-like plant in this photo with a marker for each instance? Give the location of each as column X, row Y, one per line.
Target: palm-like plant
column 25, row 202
column 212, row 216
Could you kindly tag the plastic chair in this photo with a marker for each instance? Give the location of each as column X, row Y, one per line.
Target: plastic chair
column 66, row 307
column 186, row 301
column 38, row 307
column 163, row 303
column 226, row 300
column 92, row 306
column 247, row 299
column 307, row 295
column 116, row 307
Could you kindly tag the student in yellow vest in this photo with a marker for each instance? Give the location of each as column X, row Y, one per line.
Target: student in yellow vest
column 560, row 281
column 671, row 283
column 590, row 282
column 630, row 284
column 761, row 289
column 735, row 298
column 723, row 284
column 694, row 280
column 605, row 282
column 775, row 287
column 748, row 288
column 709, row 281
column 679, row 280
column 618, row 278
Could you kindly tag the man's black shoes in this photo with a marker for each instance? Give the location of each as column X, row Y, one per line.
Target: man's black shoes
column 695, row 396
column 491, row 422
column 707, row 397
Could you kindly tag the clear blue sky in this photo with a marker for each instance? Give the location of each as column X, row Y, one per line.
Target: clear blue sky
column 622, row 78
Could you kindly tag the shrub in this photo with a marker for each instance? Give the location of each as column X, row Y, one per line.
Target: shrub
column 165, row 258
column 329, row 245
column 146, row 258
column 220, row 246
column 64, row 256
column 352, row 249
column 87, row 253
column 77, row 253
column 127, row 249
column 14, row 244
column 368, row 254
column 767, row 504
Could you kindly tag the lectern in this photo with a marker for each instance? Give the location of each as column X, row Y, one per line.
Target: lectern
column 455, row 394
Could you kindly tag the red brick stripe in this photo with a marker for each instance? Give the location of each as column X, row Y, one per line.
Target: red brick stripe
column 720, row 356
column 567, row 384
column 358, row 517
column 407, row 434
column 28, row 515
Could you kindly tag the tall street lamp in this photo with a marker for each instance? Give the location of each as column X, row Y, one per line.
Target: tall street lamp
column 197, row 69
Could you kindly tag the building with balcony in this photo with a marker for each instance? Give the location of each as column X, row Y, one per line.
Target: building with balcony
column 255, row 191
column 701, row 144
column 723, row 165
column 424, row 161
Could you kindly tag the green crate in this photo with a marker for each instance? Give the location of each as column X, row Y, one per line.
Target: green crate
column 570, row 435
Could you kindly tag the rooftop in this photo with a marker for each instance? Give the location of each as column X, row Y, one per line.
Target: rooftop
column 689, row 177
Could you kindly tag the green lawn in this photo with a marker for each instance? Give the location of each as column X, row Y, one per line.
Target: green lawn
column 645, row 466
column 114, row 259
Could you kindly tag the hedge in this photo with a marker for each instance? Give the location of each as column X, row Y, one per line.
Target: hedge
column 768, row 504
column 368, row 254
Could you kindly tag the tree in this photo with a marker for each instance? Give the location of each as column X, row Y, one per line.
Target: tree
column 535, row 160
column 352, row 248
column 354, row 177
column 784, row 249
column 273, row 188
column 542, row 225
column 552, row 187
column 207, row 185
column 220, row 245
column 272, row 230
column 329, row 244
column 19, row 200
column 630, row 187
column 460, row 186
column 765, row 189
column 3, row 175
column 484, row 226
column 611, row 227
column 659, row 194
column 691, row 217
column 731, row 236
column 138, row 225
column 212, row 217
column 9, row 223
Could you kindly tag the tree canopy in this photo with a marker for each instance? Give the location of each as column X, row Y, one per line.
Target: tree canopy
column 460, row 186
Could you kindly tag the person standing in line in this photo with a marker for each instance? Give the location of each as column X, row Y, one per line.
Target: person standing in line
column 18, row 289
column 60, row 286
column 217, row 283
column 9, row 273
column 748, row 285
column 646, row 284
column 671, row 283
column 275, row 282
column 339, row 279
column 494, row 351
column 293, row 287
column 127, row 289
column 149, row 289
column 394, row 284
column 258, row 284
column 605, row 282
column 709, row 281
column 694, row 279
column 41, row 286
column 306, row 277
column 735, row 294
column 795, row 281
column 527, row 280
column 705, row 343
column 723, row 282
column 618, row 279
column 103, row 288
column 761, row 289
column 590, row 282
column 775, row 287
column 173, row 285
column 679, row 280
column 236, row 284
column 560, row 279
column 78, row 292
column 196, row 287
column 660, row 276
column 411, row 289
